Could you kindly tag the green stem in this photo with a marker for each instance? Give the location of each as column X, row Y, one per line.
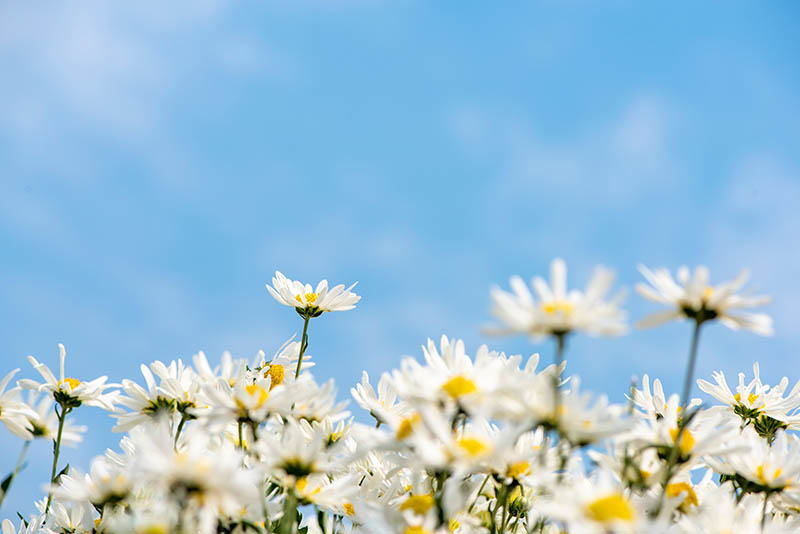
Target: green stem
column 16, row 470
column 687, row 382
column 687, row 388
column 241, row 439
column 303, row 345
column 478, row 495
column 178, row 432
column 62, row 416
column 560, row 339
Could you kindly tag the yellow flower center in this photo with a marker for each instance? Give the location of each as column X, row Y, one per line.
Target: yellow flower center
column 751, row 398
column 153, row 528
column 255, row 389
column 406, row 426
column 517, row 469
column 420, row 504
column 673, row 490
column 454, row 524
column 416, row 529
column 687, row 440
column 762, row 478
column 275, row 373
column 73, row 383
column 348, row 509
column 458, row 386
column 611, row 508
column 311, row 298
column 473, row 446
column 558, row 306
column 302, row 484
column 707, row 293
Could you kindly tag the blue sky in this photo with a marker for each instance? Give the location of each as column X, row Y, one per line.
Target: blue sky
column 159, row 165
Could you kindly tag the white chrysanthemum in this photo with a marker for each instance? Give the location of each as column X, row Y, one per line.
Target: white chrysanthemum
column 557, row 310
column 693, row 297
column 654, row 405
column 312, row 301
column 756, row 399
column 14, row 413
column 382, row 405
column 43, row 422
column 71, row 390
column 770, row 467
column 583, row 421
column 106, row 483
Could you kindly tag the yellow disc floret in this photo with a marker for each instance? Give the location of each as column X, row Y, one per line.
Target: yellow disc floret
column 673, row 490
column 473, row 446
column 458, row 386
column 311, row 298
column 687, row 440
column 406, row 426
column 73, row 383
column 558, row 306
column 276, row 373
column 255, row 389
column 420, row 504
column 610, row 508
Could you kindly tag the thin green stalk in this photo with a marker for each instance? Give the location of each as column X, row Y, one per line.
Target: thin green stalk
column 62, row 416
column 178, row 432
column 303, row 345
column 687, row 387
column 241, row 440
column 16, row 470
column 478, row 495
column 560, row 339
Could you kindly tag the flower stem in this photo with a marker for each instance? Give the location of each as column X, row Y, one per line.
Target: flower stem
column 687, row 381
column 560, row 341
column 178, row 432
column 303, row 345
column 687, row 388
column 477, row 495
column 241, row 440
column 16, row 470
column 62, row 416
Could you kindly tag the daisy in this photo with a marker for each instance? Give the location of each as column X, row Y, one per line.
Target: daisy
column 382, row 405
column 14, row 414
column 693, row 297
column 312, row 302
column 755, row 402
column 71, row 392
column 557, row 311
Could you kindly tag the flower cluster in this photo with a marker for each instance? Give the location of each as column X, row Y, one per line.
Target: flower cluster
column 458, row 442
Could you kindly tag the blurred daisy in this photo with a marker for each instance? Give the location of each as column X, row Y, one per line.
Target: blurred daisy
column 71, row 391
column 310, row 301
column 557, row 311
column 693, row 297
column 14, row 414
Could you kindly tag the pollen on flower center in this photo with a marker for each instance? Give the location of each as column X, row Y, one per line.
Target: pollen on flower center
column 707, row 293
column 762, row 478
column 558, row 306
column 276, row 373
column 420, row 504
column 416, row 529
column 673, row 490
column 458, row 386
column 751, row 398
column 406, row 426
column 687, row 440
column 473, row 446
column 253, row 389
column 613, row 507
column 349, row 509
column 518, row 468
column 73, row 382
column 311, row 298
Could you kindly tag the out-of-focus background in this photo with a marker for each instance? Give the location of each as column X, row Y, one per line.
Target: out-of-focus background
column 159, row 162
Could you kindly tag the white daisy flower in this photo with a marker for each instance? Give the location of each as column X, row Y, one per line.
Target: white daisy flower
column 43, row 422
column 106, row 483
column 309, row 301
column 767, row 467
column 14, row 413
column 557, row 311
column 68, row 391
column 382, row 405
column 755, row 402
column 693, row 297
